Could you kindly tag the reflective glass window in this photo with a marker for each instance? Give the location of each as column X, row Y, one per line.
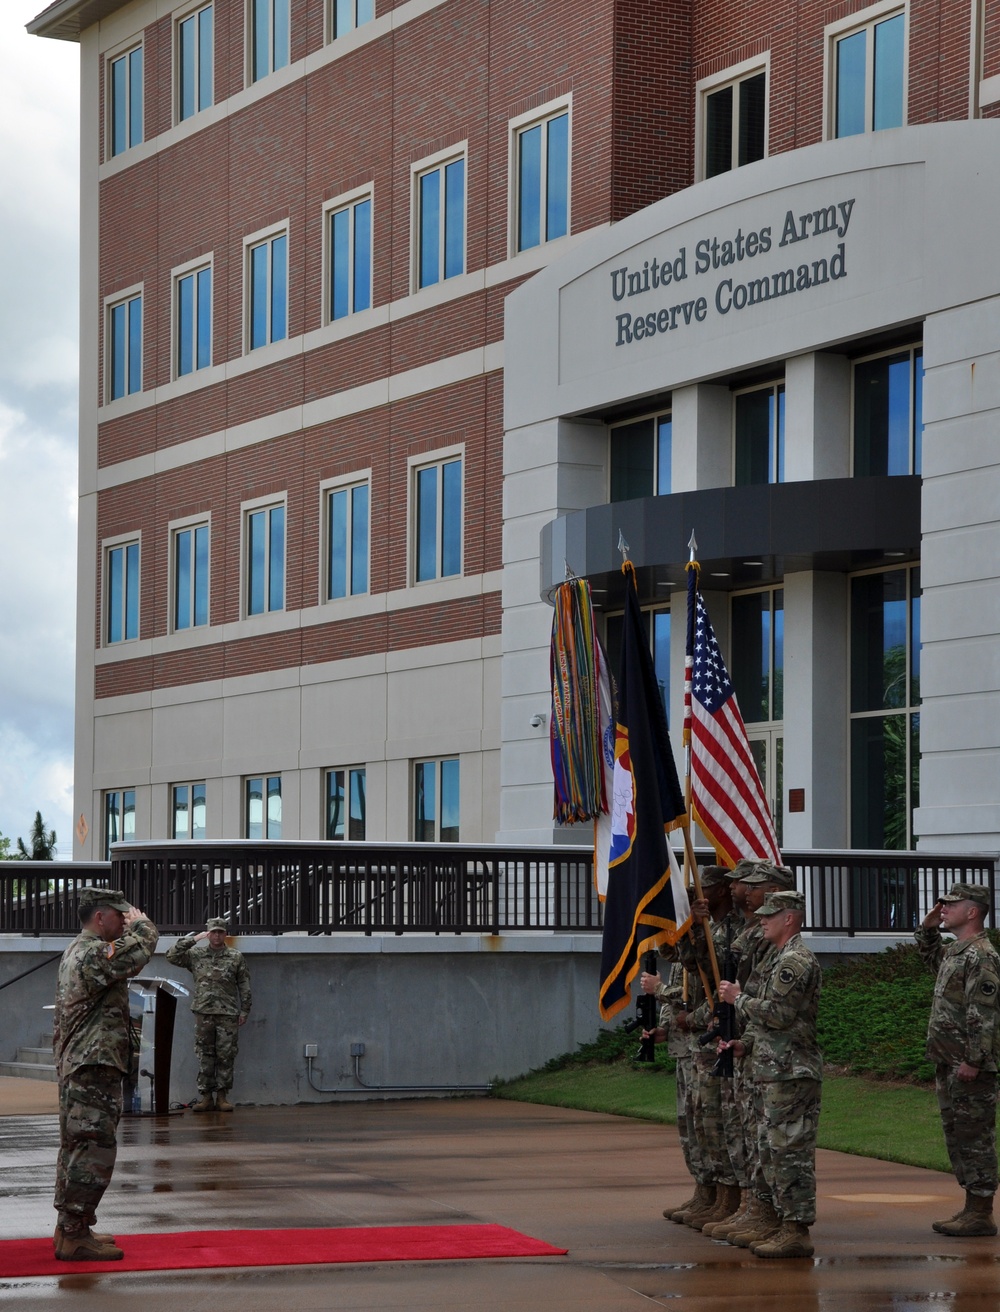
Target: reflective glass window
column 122, row 593
column 194, row 321
column 191, row 577
column 869, row 73
column 438, row 544
column 758, row 657
column 441, row 223
column 436, row 801
column 760, row 436
column 263, row 807
column 887, row 110
column 851, row 59
column 268, row 291
column 348, row 530
column 542, row 179
column 119, row 818
column 349, row 14
column 346, row 805
column 270, row 34
column 888, row 414
column 126, row 101
column 125, row 348
column 195, row 53
column 735, row 124
column 266, row 560
column 350, row 259
column 640, row 458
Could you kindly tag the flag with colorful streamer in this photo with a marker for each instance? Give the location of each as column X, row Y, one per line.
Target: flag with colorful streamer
column 728, row 802
column 646, row 903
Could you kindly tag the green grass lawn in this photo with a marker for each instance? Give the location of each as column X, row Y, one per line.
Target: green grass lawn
column 894, row 1122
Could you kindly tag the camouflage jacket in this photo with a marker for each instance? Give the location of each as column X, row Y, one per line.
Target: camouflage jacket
column 964, row 1018
column 221, row 978
column 725, row 934
column 780, row 1021
column 91, row 1022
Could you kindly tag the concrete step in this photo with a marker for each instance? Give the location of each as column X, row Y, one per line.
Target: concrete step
column 28, row 1070
column 38, row 1056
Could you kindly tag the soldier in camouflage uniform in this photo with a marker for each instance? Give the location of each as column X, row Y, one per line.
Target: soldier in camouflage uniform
column 221, row 1004
column 91, row 1031
column 963, row 1038
column 779, row 1030
column 755, row 879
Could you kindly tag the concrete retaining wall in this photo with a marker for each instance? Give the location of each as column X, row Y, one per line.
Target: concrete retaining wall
column 429, row 1010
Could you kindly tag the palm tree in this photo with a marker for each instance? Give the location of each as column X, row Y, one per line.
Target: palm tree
column 43, row 845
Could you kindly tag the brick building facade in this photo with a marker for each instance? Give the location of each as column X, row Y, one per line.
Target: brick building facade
column 301, row 220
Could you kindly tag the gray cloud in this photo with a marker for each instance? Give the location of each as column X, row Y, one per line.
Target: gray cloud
column 39, row 218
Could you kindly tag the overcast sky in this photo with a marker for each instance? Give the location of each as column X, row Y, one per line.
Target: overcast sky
column 39, row 245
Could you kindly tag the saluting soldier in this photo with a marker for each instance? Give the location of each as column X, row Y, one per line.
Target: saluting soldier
column 91, row 1031
column 221, row 1004
column 963, row 1036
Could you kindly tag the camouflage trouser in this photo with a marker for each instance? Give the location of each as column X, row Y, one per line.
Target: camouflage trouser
column 732, row 1122
column 709, row 1125
column 968, row 1117
column 216, row 1040
column 686, row 1125
column 752, row 1112
column 90, row 1106
column 786, row 1142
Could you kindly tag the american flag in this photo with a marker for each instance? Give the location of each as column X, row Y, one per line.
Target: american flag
column 727, row 797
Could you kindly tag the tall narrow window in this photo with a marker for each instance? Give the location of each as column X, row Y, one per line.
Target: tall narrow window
column 885, row 701
column 195, row 54
column 346, row 805
column 126, row 101
column 119, row 818
column 263, row 807
column 190, row 562
column 759, row 418
column 735, row 119
column 194, row 321
column 888, row 413
column 438, row 498
column 440, row 208
column 123, row 348
column 188, row 811
column 868, row 71
column 640, row 458
column 436, row 801
column 347, row 560
column 267, row 284
column 269, row 36
column 350, row 249
column 542, row 180
column 265, row 557
column 122, row 592
column 656, row 622
column 346, row 15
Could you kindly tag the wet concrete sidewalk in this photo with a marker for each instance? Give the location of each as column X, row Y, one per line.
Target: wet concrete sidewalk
column 591, row 1183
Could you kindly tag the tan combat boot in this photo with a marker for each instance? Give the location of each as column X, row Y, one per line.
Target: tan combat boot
column 738, row 1202
column 768, row 1223
column 703, row 1195
column 976, row 1218
column 96, row 1235
column 82, row 1246
column 222, row 1103
column 206, row 1103
column 672, row 1212
column 792, row 1240
column 700, row 1213
column 746, row 1220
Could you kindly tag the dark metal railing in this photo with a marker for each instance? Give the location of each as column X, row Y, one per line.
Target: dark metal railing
column 379, row 888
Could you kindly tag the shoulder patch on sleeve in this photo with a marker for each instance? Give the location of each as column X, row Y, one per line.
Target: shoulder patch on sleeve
column 786, row 974
column 109, row 950
column 988, row 988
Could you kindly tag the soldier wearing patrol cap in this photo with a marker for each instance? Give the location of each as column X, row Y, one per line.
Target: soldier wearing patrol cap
column 221, row 1004
column 779, row 1033
column 91, row 1046
column 963, row 1037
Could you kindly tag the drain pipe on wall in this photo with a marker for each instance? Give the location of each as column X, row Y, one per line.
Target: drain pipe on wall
column 357, row 1052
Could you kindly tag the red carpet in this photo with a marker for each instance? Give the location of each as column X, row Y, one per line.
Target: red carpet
column 226, row 1248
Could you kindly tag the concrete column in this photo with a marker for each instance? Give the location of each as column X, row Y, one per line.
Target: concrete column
column 960, row 607
column 816, row 708
column 550, row 469
column 817, row 417
column 702, row 454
